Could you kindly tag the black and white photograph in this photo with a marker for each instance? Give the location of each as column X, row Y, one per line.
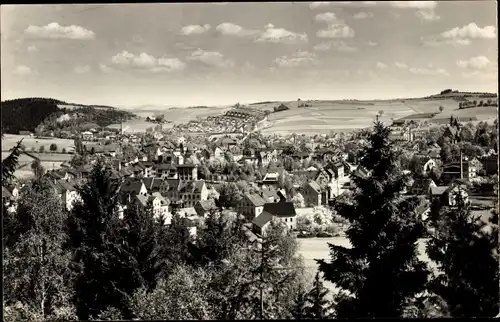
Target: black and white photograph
column 249, row 160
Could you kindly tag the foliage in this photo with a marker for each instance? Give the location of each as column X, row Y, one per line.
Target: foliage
column 99, row 257
column 319, row 306
column 381, row 271
column 229, row 195
column 298, row 200
column 9, row 164
column 181, row 296
column 465, row 249
column 37, row 280
column 53, row 147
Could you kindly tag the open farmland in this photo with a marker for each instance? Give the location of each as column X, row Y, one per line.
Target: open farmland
column 335, row 116
column 10, row 140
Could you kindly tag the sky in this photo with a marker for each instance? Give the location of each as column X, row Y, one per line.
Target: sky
column 181, row 54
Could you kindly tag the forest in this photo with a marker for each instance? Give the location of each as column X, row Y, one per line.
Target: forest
column 26, row 114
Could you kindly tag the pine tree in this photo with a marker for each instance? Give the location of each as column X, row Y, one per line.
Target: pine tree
column 299, row 311
column 141, row 238
column 316, row 298
column 100, row 260
column 466, row 251
column 381, row 270
column 10, row 163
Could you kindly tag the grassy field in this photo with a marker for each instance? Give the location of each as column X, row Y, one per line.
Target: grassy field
column 327, row 116
column 10, row 140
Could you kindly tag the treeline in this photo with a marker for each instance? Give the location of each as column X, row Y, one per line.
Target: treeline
column 475, row 103
column 92, row 263
column 26, row 114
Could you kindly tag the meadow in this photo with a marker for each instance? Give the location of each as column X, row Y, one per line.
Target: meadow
column 335, row 116
column 30, row 143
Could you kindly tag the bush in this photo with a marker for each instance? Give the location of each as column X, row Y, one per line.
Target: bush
column 63, row 150
column 53, row 147
column 41, row 149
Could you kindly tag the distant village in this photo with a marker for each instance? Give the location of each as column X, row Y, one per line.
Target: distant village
column 262, row 177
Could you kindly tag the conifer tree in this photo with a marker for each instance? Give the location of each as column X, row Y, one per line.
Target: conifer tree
column 318, row 304
column 299, row 311
column 466, row 251
column 381, row 271
column 141, row 238
column 100, row 259
column 10, row 163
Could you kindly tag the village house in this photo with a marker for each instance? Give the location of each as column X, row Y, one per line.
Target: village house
column 454, row 171
column 251, row 205
column 282, row 211
column 449, row 195
column 204, row 207
column 184, row 193
column 67, row 192
column 131, row 188
column 158, row 203
column 424, row 164
column 187, row 171
column 87, row 136
column 422, row 186
column 312, row 193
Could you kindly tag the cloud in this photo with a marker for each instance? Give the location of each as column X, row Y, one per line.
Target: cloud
column 145, row 61
column 363, row 15
column 381, row 65
column 339, row 46
column 400, row 65
column 194, row 29
column 414, row 4
column 319, row 4
column 428, row 71
column 23, row 70
column 470, row 31
column 328, row 17
column 427, row 15
column 32, row 49
column 105, row 69
column 231, row 29
column 55, row 31
column 371, row 43
column 212, row 58
column 280, row 35
column 82, row 69
column 460, row 36
column 425, row 9
column 300, row 58
column 339, row 30
column 479, row 62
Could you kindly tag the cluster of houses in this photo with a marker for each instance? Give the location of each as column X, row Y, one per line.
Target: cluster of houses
column 238, row 120
column 167, row 176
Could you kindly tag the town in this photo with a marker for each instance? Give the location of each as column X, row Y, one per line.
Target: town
column 250, row 161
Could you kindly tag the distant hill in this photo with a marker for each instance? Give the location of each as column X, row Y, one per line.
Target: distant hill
column 26, row 114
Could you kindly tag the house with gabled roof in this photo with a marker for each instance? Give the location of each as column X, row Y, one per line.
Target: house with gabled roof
column 251, row 205
column 132, row 187
column 282, row 211
column 422, row 186
column 449, row 195
column 67, row 192
column 204, row 207
column 312, row 193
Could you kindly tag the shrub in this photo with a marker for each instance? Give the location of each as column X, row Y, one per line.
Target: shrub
column 41, row 149
column 53, row 147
